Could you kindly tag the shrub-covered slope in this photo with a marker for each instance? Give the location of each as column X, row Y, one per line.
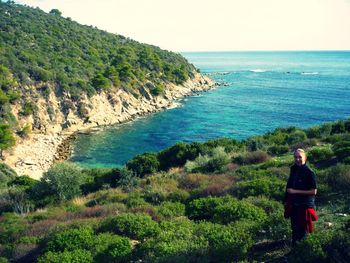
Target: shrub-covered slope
column 218, row 201
column 36, row 46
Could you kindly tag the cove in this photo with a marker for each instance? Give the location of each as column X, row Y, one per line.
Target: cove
column 262, row 91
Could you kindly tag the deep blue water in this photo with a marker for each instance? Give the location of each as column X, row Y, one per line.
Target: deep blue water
column 265, row 90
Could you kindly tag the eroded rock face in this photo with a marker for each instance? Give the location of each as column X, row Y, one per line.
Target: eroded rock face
column 56, row 120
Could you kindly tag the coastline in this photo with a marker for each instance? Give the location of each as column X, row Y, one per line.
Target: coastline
column 34, row 155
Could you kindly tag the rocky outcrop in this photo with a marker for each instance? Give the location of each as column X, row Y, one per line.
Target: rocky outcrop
column 56, row 120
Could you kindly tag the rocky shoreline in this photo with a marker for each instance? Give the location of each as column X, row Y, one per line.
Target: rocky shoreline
column 34, row 156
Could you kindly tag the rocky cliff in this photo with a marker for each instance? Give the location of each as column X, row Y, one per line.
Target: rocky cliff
column 56, row 119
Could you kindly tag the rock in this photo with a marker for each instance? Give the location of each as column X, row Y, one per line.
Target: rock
column 29, row 161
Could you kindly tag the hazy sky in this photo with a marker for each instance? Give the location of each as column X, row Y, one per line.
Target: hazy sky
column 202, row 25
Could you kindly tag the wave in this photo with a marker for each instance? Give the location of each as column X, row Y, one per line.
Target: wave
column 309, row 73
column 258, row 70
column 175, row 105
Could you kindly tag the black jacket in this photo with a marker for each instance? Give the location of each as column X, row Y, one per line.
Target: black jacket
column 302, row 178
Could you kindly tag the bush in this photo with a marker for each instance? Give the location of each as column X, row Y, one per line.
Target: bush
column 317, row 155
column 76, row 256
column 274, row 227
column 64, row 180
column 178, row 154
column 225, row 243
column 146, row 163
column 296, row 137
column 269, row 187
column 203, row 208
column 312, row 249
column 175, row 243
column 214, row 161
column 100, row 178
column 6, row 175
column 338, row 177
column 235, row 210
column 29, row 108
column 170, row 210
column 128, row 180
column 252, row 157
column 319, row 131
column 25, row 131
column 111, row 248
column 136, row 226
column 342, row 149
column 11, row 227
column 278, row 149
column 71, row 239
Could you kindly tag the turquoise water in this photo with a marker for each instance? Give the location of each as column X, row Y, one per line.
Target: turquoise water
column 265, row 90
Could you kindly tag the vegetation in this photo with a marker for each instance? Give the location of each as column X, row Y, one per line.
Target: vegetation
column 222, row 203
column 41, row 53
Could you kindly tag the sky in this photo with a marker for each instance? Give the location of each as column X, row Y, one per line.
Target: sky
column 216, row 25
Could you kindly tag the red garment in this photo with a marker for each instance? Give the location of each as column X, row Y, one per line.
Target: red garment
column 305, row 216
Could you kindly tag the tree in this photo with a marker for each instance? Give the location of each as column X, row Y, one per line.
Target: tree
column 146, row 163
column 55, row 12
column 64, row 180
column 7, row 140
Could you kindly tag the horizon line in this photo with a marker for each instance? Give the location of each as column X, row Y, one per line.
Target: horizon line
column 267, row 50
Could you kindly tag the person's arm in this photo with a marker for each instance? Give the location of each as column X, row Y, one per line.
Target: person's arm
column 302, row 192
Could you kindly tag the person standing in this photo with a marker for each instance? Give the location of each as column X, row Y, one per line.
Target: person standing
column 300, row 197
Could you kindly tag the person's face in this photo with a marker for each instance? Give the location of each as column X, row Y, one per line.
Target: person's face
column 299, row 158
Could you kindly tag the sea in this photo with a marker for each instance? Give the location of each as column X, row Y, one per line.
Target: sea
column 258, row 92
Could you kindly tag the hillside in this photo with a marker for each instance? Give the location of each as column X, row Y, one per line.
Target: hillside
column 58, row 76
column 217, row 201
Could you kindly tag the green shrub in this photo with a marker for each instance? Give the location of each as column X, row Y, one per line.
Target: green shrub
column 128, row 180
column 230, row 145
column 312, row 249
column 225, row 243
column 176, row 242
column 275, row 226
column 100, row 178
column 136, row 226
column 111, row 248
column 178, row 154
column 76, row 256
column 216, row 159
column 266, row 186
column 278, row 149
column 71, row 239
column 342, row 149
column 203, row 208
column 158, row 89
column 319, row 131
column 235, row 210
column 13, row 96
column 135, row 199
column 29, row 108
column 252, row 157
column 170, row 210
column 64, row 180
column 25, row 131
column 339, row 247
column 338, row 177
column 101, row 82
column 7, row 140
column 178, row 196
column 146, row 163
column 296, row 137
column 6, row 175
column 11, row 227
column 320, row 154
